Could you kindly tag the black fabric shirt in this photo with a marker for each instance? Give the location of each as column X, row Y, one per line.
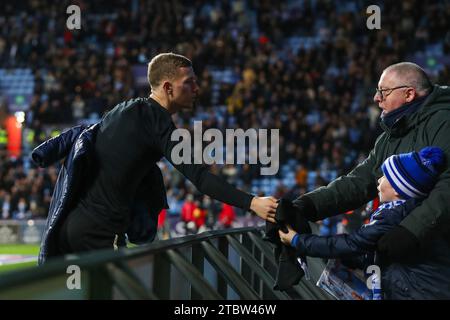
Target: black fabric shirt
column 131, row 139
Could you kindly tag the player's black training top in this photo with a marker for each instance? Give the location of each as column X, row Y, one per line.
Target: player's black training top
column 131, row 139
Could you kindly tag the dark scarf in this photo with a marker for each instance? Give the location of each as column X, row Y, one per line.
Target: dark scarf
column 289, row 271
column 409, row 108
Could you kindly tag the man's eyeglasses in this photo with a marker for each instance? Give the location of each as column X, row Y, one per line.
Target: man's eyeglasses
column 385, row 95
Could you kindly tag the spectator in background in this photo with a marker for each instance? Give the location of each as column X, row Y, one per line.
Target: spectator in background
column 212, row 208
column 187, row 212
column 21, row 211
column 227, row 216
column 199, row 216
column 78, row 109
column 5, row 201
column 163, row 225
column 328, row 226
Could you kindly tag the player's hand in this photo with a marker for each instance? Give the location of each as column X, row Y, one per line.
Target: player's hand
column 286, row 238
column 264, row 207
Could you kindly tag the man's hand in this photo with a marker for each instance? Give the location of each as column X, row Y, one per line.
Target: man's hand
column 264, row 207
column 286, row 238
column 398, row 245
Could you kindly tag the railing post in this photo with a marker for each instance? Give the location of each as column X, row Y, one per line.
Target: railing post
column 246, row 270
column 256, row 281
column 100, row 283
column 161, row 276
column 222, row 286
column 198, row 261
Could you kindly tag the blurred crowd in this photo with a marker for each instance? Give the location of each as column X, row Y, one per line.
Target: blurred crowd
column 308, row 68
column 24, row 193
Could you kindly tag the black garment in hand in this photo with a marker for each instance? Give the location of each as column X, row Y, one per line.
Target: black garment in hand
column 289, row 272
column 398, row 245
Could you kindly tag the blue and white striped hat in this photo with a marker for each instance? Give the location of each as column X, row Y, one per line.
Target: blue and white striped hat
column 414, row 174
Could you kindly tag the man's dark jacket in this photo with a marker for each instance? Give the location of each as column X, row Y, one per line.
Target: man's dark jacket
column 76, row 146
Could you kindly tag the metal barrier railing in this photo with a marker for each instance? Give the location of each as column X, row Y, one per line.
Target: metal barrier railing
column 225, row 264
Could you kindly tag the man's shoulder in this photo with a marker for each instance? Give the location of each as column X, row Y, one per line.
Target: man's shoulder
column 150, row 106
column 134, row 102
column 142, row 108
column 441, row 115
column 437, row 105
column 437, row 126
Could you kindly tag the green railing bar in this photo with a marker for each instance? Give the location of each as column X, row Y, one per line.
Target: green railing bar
column 94, row 264
column 86, row 260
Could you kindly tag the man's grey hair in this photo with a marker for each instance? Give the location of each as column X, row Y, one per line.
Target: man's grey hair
column 412, row 75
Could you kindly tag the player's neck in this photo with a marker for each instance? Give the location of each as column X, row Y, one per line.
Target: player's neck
column 162, row 102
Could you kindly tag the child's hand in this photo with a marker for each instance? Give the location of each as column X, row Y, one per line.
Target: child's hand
column 286, row 238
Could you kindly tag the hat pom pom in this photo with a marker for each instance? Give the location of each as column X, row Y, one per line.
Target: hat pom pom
column 432, row 156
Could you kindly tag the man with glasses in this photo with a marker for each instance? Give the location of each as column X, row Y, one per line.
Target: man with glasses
column 380, row 91
column 415, row 114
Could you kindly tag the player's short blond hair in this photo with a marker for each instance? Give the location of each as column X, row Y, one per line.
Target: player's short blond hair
column 165, row 66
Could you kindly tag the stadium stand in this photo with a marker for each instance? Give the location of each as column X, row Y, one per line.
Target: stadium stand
column 308, row 68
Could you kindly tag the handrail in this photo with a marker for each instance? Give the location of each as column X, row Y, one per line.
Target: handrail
column 202, row 266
